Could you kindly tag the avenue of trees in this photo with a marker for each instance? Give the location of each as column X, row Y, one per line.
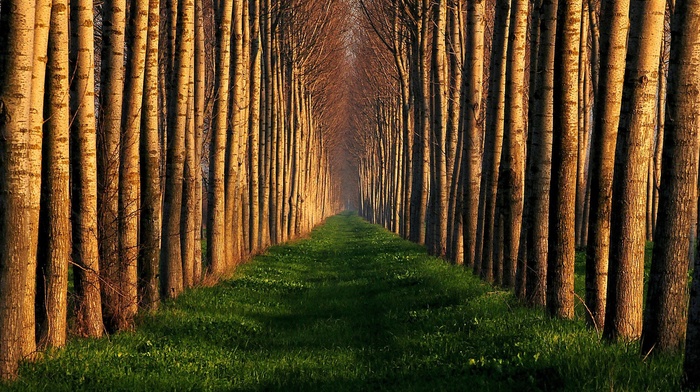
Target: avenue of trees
column 506, row 134
column 131, row 131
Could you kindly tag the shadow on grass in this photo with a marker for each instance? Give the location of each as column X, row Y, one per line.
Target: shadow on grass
column 353, row 308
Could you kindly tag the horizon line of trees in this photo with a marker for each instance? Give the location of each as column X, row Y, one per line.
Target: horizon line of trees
column 125, row 125
column 505, row 134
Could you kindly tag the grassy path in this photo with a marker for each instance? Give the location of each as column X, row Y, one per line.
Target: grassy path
column 352, row 308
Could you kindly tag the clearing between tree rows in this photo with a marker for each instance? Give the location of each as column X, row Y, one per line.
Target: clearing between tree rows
column 356, row 308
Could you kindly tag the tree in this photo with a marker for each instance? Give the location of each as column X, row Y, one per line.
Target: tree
column 474, row 124
column 83, row 156
column 108, row 142
column 129, row 180
column 623, row 314
column 42, row 24
column 55, row 228
column 613, row 48
column 150, row 229
column 665, row 313
column 562, row 236
column 540, row 159
column 16, row 43
column 513, row 163
column 216, row 228
column 486, row 234
column 171, row 251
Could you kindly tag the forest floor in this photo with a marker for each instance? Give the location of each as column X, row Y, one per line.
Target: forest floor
column 352, row 308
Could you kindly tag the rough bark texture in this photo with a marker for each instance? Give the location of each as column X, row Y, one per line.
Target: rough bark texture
column 111, row 99
column 665, row 315
column 623, row 318
column 541, row 159
column 171, row 251
column 485, row 233
column 474, row 124
column 560, row 259
column 55, row 227
column 613, row 48
column 83, row 156
column 150, row 230
column 16, row 42
column 513, row 164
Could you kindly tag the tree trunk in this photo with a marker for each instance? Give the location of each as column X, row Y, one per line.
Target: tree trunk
column 486, row 233
column 474, row 124
column 129, row 181
column 613, row 47
column 665, row 315
column 42, row 24
column 514, row 140
column 55, row 235
column 171, row 251
column 540, row 156
column 111, row 97
column 623, row 318
column 83, row 155
column 562, row 235
column 150, row 228
column 16, row 44
column 216, row 229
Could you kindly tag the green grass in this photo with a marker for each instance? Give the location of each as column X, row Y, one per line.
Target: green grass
column 353, row 308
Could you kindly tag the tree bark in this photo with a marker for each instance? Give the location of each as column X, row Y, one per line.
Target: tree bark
column 83, row 156
column 623, row 318
column 665, row 315
column 562, row 235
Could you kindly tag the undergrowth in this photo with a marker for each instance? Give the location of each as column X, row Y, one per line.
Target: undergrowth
column 353, row 308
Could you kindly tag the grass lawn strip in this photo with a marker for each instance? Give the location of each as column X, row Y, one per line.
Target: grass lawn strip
column 352, row 308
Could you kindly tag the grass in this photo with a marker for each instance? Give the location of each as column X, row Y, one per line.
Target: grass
column 353, row 308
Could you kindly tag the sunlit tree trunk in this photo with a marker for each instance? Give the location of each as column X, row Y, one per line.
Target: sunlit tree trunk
column 540, row 159
column 665, row 315
column 439, row 92
column 623, row 318
column 129, row 181
column 613, row 48
column 474, row 126
column 55, row 227
column 200, row 88
column 514, row 140
column 485, row 233
column 562, row 235
column 42, row 23
column 188, row 231
column 108, row 142
column 217, row 231
column 254, row 129
column 16, row 44
column 150, row 228
column 171, row 251
column 83, row 156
